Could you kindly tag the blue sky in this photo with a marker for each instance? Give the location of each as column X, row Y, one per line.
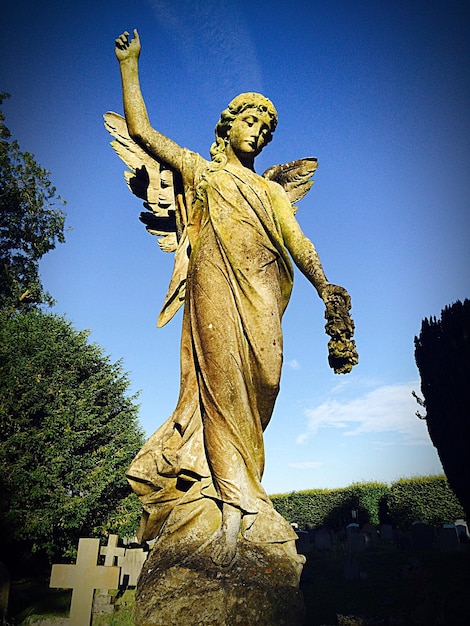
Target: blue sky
column 378, row 92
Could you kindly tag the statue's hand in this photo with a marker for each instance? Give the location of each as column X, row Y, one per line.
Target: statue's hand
column 127, row 48
column 330, row 292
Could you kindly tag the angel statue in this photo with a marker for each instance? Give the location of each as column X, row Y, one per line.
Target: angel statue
column 233, row 233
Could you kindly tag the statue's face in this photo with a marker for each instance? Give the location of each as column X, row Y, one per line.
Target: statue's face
column 250, row 132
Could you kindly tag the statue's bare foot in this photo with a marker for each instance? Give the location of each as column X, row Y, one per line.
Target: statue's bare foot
column 224, row 549
column 225, row 542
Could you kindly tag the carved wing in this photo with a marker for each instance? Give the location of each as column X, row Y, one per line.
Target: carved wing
column 152, row 182
column 295, row 177
column 162, row 191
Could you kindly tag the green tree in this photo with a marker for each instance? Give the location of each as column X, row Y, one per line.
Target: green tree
column 31, row 223
column 68, row 432
column 442, row 353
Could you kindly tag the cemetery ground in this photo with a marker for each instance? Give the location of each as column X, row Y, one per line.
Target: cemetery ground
column 394, row 584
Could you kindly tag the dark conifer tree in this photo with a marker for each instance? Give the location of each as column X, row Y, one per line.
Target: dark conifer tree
column 68, row 431
column 442, row 353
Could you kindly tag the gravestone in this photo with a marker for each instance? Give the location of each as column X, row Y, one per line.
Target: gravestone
column 449, row 538
column 356, row 542
column 112, row 551
column 323, row 538
column 401, row 539
column 131, row 565
column 422, row 536
column 4, row 593
column 370, row 531
column 352, row 529
column 351, row 569
column 386, row 532
column 462, row 529
column 83, row 578
column 103, row 600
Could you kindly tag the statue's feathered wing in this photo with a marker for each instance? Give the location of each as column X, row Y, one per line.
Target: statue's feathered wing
column 295, row 177
column 161, row 190
column 150, row 181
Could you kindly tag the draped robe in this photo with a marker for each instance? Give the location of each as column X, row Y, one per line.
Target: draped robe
column 238, row 283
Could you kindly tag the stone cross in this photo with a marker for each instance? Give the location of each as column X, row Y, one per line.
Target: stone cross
column 112, row 551
column 103, row 601
column 84, row 577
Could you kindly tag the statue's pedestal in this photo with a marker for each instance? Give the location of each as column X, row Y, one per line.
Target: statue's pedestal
column 259, row 588
column 179, row 584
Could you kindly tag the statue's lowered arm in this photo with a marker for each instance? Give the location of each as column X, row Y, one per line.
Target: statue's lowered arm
column 342, row 354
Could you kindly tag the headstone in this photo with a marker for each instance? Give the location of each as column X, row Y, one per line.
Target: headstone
column 351, row 569
column 4, row 593
column 131, row 566
column 356, row 542
column 462, row 529
column 83, row 578
column 401, row 539
column 422, row 536
column 323, row 538
column 352, row 529
column 371, row 532
column 386, row 532
column 303, row 542
column 449, row 538
column 103, row 600
column 112, row 551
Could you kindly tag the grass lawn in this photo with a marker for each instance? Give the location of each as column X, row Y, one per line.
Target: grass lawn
column 33, row 600
column 396, row 587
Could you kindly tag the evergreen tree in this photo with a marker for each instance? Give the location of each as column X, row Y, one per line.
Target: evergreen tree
column 68, row 432
column 442, row 353
column 30, row 224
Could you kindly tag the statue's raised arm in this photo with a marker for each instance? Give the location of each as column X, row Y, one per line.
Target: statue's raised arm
column 140, row 130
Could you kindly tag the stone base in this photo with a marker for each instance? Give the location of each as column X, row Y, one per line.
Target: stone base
column 260, row 588
column 103, row 604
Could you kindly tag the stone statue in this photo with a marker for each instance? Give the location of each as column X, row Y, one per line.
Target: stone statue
column 233, row 233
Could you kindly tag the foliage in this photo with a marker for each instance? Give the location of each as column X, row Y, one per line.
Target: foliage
column 442, row 353
column 429, row 499
column 370, row 499
column 30, row 223
column 68, row 431
column 332, row 507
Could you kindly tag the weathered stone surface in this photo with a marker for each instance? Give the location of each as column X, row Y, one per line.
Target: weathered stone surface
column 260, row 588
column 223, row 556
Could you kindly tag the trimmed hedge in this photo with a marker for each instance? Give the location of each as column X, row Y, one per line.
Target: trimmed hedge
column 428, row 499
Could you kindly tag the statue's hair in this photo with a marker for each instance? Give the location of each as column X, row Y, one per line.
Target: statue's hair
column 238, row 105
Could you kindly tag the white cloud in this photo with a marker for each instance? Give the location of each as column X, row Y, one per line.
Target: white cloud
column 386, row 409
column 293, row 364
column 306, row 465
